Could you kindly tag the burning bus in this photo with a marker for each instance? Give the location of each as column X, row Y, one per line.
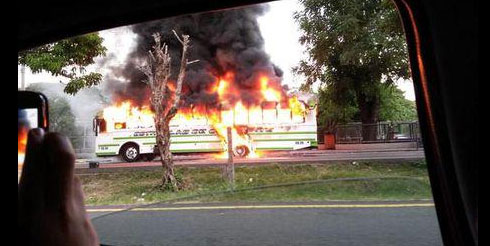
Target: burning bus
column 279, row 122
column 235, row 84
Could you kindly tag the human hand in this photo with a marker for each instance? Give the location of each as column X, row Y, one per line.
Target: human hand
column 51, row 210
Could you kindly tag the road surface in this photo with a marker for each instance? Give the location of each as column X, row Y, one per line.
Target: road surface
column 292, row 157
column 346, row 223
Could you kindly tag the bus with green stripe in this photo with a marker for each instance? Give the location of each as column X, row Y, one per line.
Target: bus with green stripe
column 271, row 128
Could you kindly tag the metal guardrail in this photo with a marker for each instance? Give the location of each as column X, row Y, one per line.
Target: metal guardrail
column 385, row 132
column 83, row 139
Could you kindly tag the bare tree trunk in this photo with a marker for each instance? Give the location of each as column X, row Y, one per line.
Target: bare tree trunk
column 163, row 143
column 158, row 71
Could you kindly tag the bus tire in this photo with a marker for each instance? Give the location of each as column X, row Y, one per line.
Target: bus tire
column 130, row 152
column 241, row 151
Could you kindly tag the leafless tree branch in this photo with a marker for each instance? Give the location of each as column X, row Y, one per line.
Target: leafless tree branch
column 194, row 61
column 158, row 71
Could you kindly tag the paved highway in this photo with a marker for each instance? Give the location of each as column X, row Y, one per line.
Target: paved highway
column 346, row 223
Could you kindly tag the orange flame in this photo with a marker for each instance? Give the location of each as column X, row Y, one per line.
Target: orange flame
column 222, row 86
column 21, row 145
column 126, row 116
column 268, row 93
column 238, row 115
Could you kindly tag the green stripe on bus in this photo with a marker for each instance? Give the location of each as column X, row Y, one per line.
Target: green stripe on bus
column 207, row 135
column 275, row 148
column 279, row 140
column 172, row 136
column 185, row 142
column 116, row 138
column 108, row 145
column 105, row 153
column 280, row 133
column 179, row 136
column 195, row 150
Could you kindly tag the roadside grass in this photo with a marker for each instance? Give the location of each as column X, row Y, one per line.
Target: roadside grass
column 205, row 184
column 344, row 190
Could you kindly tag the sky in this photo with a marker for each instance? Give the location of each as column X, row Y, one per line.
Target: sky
column 280, row 32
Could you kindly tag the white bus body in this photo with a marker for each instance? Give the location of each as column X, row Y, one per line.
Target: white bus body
column 273, row 129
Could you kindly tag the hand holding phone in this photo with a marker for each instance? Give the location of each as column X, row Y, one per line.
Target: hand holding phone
column 32, row 113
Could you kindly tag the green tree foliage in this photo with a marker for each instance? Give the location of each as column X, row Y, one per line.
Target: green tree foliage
column 395, row 107
column 333, row 111
column 67, row 58
column 356, row 47
column 61, row 118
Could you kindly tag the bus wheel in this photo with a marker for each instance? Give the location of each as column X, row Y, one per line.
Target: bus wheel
column 130, row 152
column 241, row 151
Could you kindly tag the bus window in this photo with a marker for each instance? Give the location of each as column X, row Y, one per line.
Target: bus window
column 284, row 115
column 299, row 118
column 269, row 112
column 240, row 115
column 102, row 125
column 199, row 120
column 227, row 117
column 255, row 116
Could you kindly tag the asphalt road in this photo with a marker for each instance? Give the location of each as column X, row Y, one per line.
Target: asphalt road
column 371, row 223
column 311, row 156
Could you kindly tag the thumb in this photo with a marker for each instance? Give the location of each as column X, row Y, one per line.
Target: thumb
column 30, row 184
column 59, row 174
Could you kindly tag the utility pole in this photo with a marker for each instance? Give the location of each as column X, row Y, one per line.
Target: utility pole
column 22, row 77
column 231, row 165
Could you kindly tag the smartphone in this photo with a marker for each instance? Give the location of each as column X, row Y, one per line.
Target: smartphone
column 32, row 113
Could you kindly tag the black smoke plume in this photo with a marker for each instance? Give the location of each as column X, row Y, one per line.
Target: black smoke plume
column 222, row 41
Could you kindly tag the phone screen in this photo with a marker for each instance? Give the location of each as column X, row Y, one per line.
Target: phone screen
column 28, row 119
